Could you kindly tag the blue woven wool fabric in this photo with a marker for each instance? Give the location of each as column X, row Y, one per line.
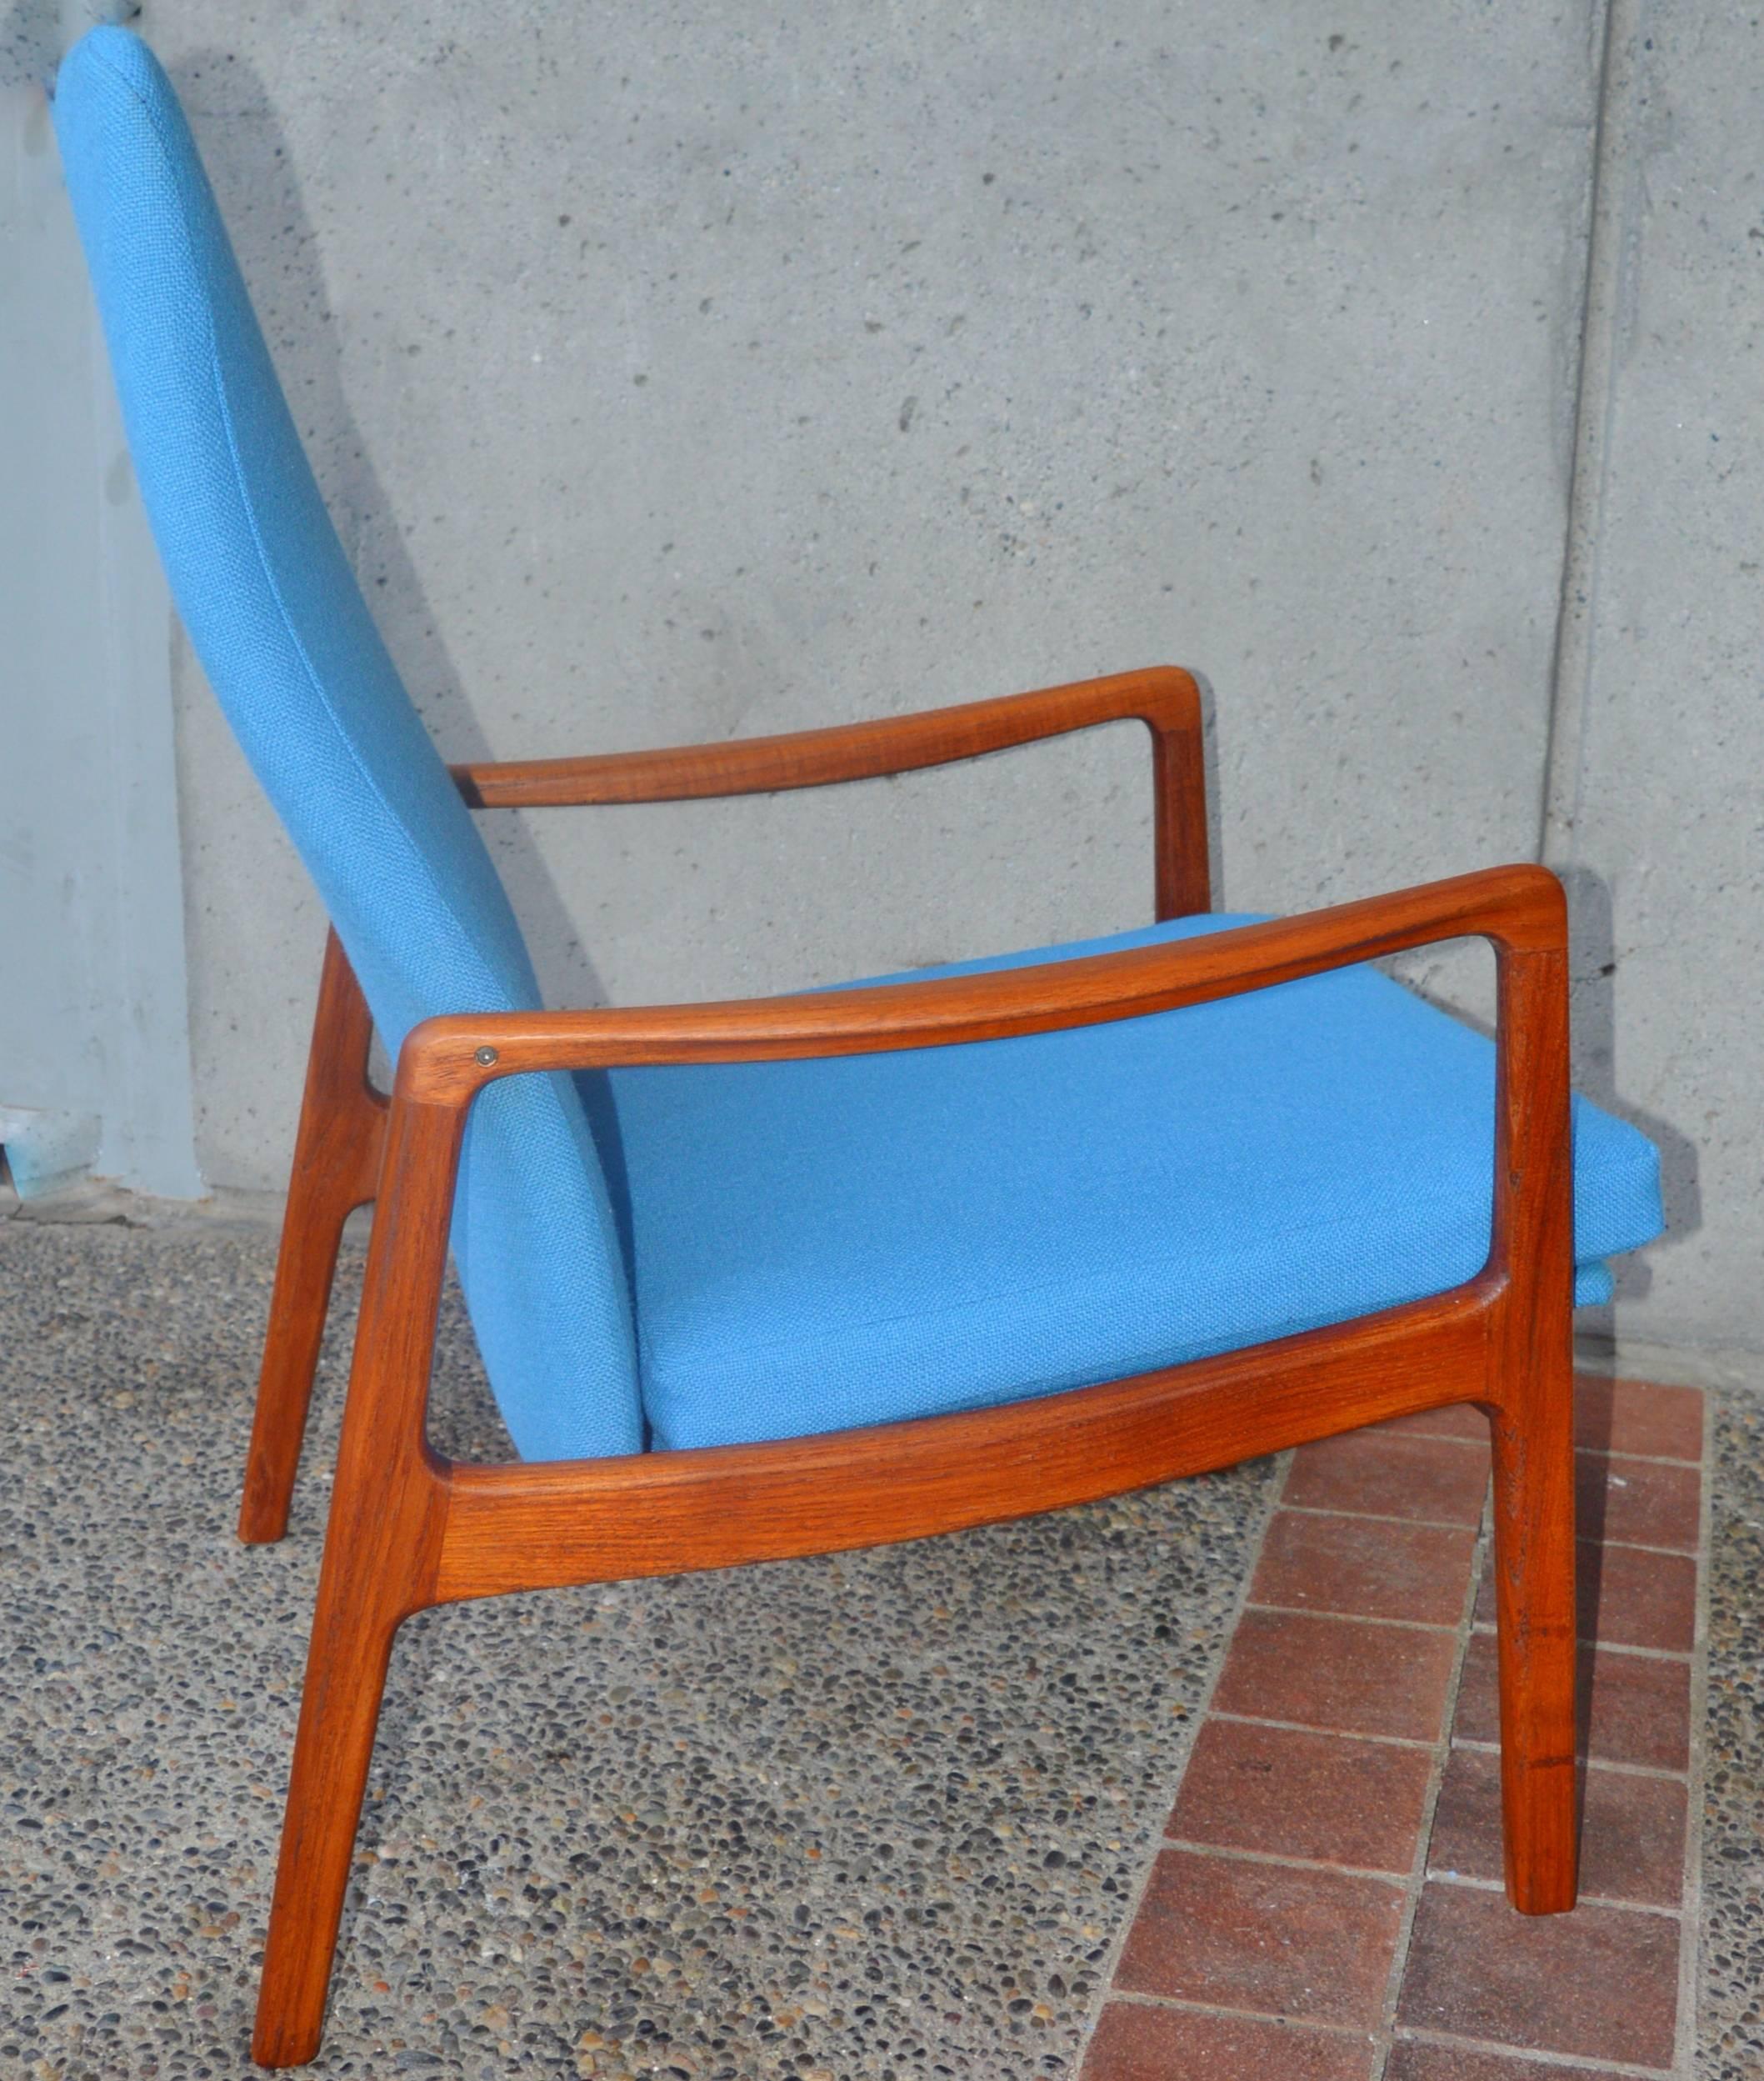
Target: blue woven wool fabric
column 275, row 614
column 818, row 1244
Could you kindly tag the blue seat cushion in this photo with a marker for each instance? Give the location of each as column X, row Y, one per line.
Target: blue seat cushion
column 814, row 1244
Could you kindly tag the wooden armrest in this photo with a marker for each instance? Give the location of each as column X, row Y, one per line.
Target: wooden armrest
column 1164, row 697
column 446, row 1060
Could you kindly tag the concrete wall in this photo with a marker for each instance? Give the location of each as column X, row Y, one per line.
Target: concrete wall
column 94, row 1043
column 686, row 373
column 1658, row 802
column 700, row 376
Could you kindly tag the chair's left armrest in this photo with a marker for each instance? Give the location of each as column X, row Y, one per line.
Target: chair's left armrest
column 1164, row 697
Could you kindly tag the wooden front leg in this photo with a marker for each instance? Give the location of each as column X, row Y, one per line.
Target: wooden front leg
column 1531, row 1366
column 382, row 1546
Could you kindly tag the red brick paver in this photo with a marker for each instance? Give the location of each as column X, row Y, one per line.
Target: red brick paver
column 1630, row 1597
column 1639, row 1502
column 1316, row 1670
column 1326, row 1904
column 1378, row 1473
column 1264, row 1938
column 1414, row 2060
column 1364, row 1568
column 1634, row 1708
column 1602, row 1984
column 1330, row 1799
column 1633, row 1416
column 1631, row 1830
column 1136, row 2041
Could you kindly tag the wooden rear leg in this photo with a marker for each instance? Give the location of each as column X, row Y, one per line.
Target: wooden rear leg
column 1535, row 1610
column 336, row 1158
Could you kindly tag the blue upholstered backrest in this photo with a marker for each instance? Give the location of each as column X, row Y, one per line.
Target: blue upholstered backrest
column 286, row 639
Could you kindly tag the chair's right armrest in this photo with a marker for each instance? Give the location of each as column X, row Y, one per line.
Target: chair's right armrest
column 447, row 1061
column 1520, row 909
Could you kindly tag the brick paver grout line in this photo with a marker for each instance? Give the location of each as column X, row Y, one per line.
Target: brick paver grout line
column 1689, row 1943
column 1592, row 1763
column 1642, row 1546
column 1111, row 1965
column 1381, row 1517
column 1611, row 1647
column 1187, row 2006
column 1358, row 1617
column 1465, row 1524
column 1232, row 1853
column 1580, row 1445
column 1622, row 1451
column 1563, row 2062
column 1472, row 1883
column 1385, row 2035
column 1308, row 1727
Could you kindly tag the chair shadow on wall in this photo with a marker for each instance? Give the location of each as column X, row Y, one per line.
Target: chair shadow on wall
column 258, row 184
column 259, row 188
column 1593, row 961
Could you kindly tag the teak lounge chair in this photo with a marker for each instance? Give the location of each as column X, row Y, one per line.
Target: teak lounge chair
column 819, row 1271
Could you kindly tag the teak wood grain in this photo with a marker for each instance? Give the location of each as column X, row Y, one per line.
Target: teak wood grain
column 337, row 1162
column 409, row 1529
column 1164, row 697
column 547, row 1526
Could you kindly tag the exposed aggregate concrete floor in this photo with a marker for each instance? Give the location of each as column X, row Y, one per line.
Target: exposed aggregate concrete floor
column 1730, row 2039
column 879, row 1816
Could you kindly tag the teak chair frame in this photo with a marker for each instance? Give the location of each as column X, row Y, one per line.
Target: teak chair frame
column 409, row 1529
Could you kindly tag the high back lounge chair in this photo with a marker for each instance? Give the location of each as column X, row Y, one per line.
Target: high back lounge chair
column 819, row 1271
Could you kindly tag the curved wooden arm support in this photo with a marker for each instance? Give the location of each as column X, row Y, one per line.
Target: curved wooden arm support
column 410, row 1529
column 1519, row 909
column 1164, row 697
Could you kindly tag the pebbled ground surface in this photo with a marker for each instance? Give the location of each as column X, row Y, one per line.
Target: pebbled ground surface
column 875, row 1817
column 1731, row 2010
